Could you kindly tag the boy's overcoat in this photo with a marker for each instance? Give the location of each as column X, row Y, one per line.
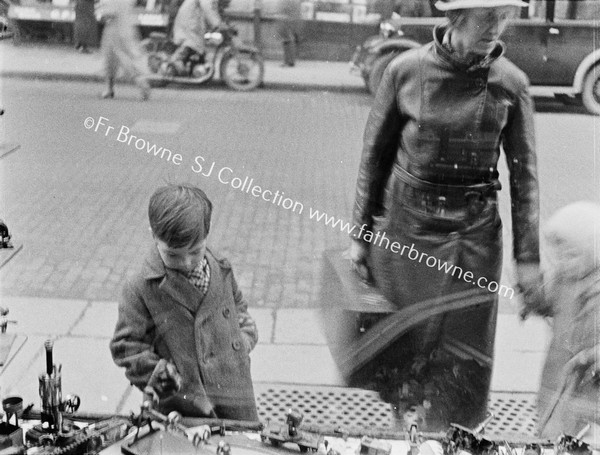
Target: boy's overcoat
column 163, row 316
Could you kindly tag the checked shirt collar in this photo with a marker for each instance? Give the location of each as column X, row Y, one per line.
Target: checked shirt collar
column 200, row 276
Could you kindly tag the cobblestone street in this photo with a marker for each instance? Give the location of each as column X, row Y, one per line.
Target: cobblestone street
column 76, row 198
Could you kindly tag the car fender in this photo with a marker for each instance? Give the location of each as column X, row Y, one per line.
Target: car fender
column 394, row 44
column 586, row 64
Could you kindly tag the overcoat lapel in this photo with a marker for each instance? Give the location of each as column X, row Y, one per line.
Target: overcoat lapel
column 173, row 283
column 181, row 290
column 214, row 295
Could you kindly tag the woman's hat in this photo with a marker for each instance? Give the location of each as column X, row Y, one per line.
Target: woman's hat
column 446, row 5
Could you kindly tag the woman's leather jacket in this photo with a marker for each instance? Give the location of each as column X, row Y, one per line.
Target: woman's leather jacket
column 444, row 121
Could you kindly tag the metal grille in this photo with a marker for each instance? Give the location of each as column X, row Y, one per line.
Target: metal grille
column 514, row 414
column 326, row 406
column 358, row 409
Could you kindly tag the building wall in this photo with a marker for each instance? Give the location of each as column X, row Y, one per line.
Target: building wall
column 329, row 29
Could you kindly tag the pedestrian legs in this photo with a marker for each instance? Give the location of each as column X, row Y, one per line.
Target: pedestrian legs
column 124, row 52
column 109, row 92
column 289, row 51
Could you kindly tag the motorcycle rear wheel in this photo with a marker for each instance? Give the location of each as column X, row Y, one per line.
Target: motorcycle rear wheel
column 242, row 69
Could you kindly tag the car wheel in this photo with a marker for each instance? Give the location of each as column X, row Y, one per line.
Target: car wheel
column 591, row 91
column 377, row 70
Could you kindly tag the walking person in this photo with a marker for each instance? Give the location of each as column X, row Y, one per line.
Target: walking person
column 121, row 46
column 288, row 30
column 569, row 396
column 428, row 180
column 85, row 27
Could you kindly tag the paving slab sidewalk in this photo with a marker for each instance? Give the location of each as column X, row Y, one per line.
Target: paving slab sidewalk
column 292, row 350
column 60, row 62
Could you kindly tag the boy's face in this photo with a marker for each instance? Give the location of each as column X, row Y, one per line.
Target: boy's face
column 183, row 259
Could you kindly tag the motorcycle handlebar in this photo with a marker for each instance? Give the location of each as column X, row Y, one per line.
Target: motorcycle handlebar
column 226, row 29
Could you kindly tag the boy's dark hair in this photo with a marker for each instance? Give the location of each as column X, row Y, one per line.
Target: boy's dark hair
column 179, row 215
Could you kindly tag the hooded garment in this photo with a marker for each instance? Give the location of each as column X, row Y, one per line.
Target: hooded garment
column 570, row 398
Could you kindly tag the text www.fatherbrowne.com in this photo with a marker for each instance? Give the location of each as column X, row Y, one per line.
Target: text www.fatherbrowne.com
column 381, row 240
column 226, row 176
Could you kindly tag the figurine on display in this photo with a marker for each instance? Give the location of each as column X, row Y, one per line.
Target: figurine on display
column 569, row 395
column 573, row 445
column 294, row 419
column 183, row 325
column 461, row 439
column 277, row 433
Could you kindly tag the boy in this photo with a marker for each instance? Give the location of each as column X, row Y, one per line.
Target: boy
column 569, row 396
column 183, row 326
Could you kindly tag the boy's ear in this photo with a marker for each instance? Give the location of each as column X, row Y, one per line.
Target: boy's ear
column 153, row 235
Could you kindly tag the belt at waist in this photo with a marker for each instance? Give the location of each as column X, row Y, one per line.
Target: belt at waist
column 435, row 196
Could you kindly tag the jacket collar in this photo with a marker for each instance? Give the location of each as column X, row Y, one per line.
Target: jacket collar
column 176, row 285
column 153, row 266
column 450, row 58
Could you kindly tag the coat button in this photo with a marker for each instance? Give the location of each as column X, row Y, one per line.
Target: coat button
column 236, row 345
column 226, row 312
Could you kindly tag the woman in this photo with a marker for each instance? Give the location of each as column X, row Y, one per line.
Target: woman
column 121, row 46
column 85, row 27
column 428, row 176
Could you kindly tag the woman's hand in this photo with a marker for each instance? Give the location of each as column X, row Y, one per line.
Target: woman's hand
column 529, row 283
column 359, row 254
column 588, row 359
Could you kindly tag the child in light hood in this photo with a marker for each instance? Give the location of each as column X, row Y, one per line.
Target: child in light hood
column 569, row 396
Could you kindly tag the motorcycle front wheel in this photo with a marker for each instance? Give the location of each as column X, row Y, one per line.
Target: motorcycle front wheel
column 242, row 69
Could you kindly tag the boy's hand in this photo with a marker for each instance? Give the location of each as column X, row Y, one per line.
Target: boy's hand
column 165, row 379
column 248, row 345
column 587, row 360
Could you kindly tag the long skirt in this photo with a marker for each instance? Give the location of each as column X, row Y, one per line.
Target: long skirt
column 121, row 48
column 436, row 241
column 85, row 27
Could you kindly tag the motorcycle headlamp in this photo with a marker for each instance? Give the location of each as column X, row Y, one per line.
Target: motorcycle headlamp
column 214, row 38
column 386, row 29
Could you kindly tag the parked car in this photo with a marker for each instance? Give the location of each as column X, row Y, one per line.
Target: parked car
column 555, row 42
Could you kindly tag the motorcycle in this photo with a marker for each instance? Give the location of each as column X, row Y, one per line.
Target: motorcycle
column 240, row 66
column 372, row 57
